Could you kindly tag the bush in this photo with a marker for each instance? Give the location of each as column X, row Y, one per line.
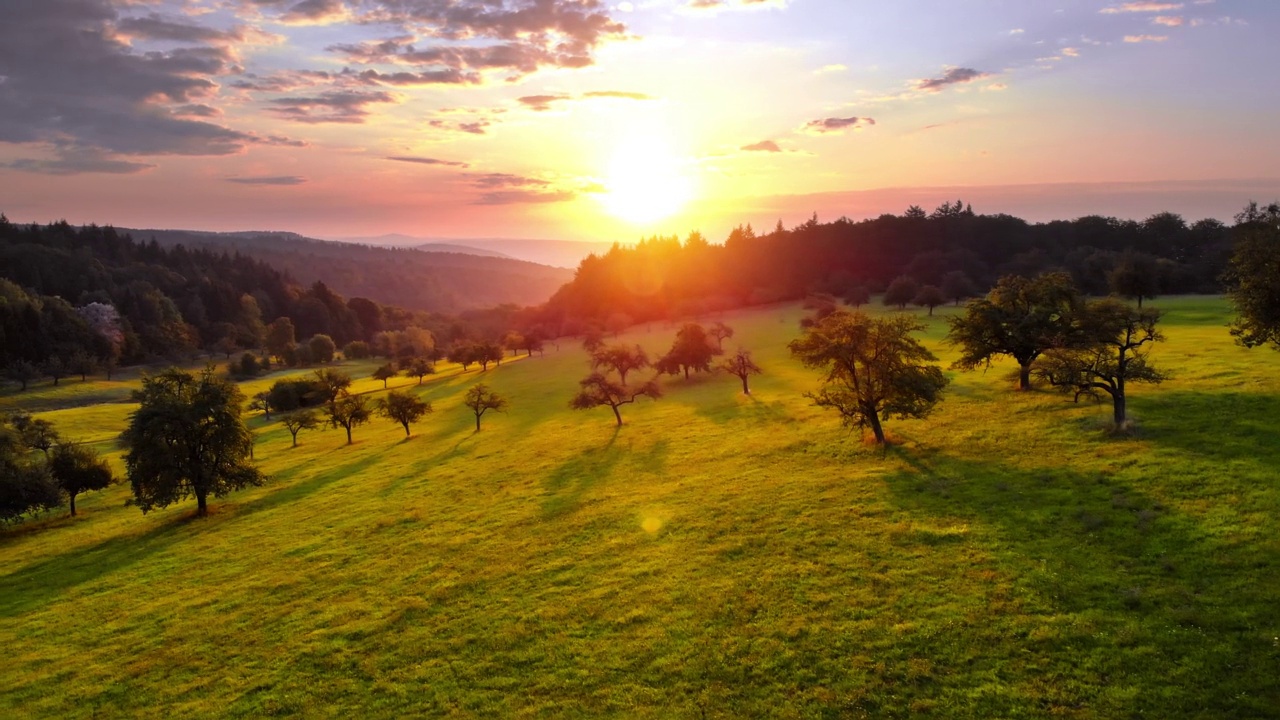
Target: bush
column 289, row 395
column 322, row 348
column 356, row 350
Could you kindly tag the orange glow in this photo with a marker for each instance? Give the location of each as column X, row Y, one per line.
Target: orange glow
column 645, row 183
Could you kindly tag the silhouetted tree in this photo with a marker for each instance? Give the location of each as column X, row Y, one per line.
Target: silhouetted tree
column 403, row 408
column 857, row 296
column 300, row 420
column 929, row 296
column 720, row 332
column 481, row 399
column 83, row 364
column 463, row 354
column 261, row 401
column 741, row 366
column 875, row 369
column 25, row 486
column 1021, row 318
column 620, row 358
column 692, row 350
column 819, row 306
column 22, row 372
column 419, row 368
column 322, row 348
column 384, row 373
column 513, row 341
column 35, row 433
column 957, row 286
column 901, row 291
column 1253, row 276
column 1109, row 356
column 347, row 411
column 597, row 390
column 592, row 339
column 488, row 352
column 356, row 349
column 329, row 384
column 187, row 438
column 1136, row 275
column 279, row 337
column 55, row 368
column 618, row 322
column 76, row 469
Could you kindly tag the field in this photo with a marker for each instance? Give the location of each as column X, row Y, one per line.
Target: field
column 718, row 556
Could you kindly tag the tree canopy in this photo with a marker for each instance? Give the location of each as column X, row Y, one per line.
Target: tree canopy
column 597, row 389
column 482, row 399
column 403, row 408
column 1253, row 276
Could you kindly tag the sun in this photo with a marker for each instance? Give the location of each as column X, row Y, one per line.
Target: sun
column 644, row 183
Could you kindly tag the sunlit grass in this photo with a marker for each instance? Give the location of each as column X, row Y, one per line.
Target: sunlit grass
column 719, row 555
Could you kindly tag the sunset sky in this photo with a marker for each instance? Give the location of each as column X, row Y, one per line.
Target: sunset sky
column 578, row 119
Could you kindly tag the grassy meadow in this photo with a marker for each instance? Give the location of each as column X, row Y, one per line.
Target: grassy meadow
column 720, row 555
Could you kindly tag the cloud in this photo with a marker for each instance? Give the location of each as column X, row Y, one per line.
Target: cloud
column 475, row 127
column 718, row 5
column 1145, row 38
column 1140, row 7
column 1167, row 20
column 951, row 76
column 768, row 146
column 76, row 160
column 505, row 180
column 836, row 125
column 156, row 27
column 541, row 103
column 331, row 107
column 1071, row 52
column 617, row 95
column 521, row 197
column 268, row 180
column 426, row 161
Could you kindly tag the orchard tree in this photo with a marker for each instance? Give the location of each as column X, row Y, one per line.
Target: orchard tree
column 186, row 438
column 620, row 358
column 22, row 372
column 76, row 469
column 384, row 373
column 692, row 350
column 1253, row 276
column 83, row 364
column 463, row 354
column 929, row 296
column 875, row 369
column 35, row 433
column 819, row 306
column 55, row 368
column 261, row 401
column 322, row 348
column 597, row 390
column 1111, row 355
column 513, row 341
column 957, row 286
column 417, row 367
column 298, row 421
column 720, row 332
column 1020, row 318
column 329, row 384
column 857, row 296
column 488, row 352
column 481, row 399
column 901, row 291
column 25, row 486
column 741, row 366
column 1136, row 275
column 403, row 408
column 279, row 337
column 347, row 411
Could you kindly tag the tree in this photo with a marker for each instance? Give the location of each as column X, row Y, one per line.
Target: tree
column 322, row 348
column 329, row 384
column 875, row 369
column 957, row 286
column 463, row 354
column 620, row 358
column 22, row 372
column 819, row 306
column 76, row 469
column 929, row 296
column 83, row 364
column 740, row 365
column 901, row 291
column 618, row 322
column 692, row 350
column 598, row 389
column 1253, row 276
column 1135, row 275
column 403, row 408
column 1109, row 357
column 347, row 411
column 35, row 433
column 356, row 349
column 419, row 368
column 25, row 487
column 857, row 296
column 513, row 341
column 187, row 438
column 280, row 337
column 720, row 332
column 384, row 373
column 481, row 399
column 592, row 339
column 486, row 353
column 1021, row 318
column 261, row 401
column 300, row 420
column 55, row 368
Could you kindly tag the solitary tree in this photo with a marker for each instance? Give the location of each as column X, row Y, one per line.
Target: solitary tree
column 598, row 389
column 298, row 421
column 403, row 408
column 1253, row 276
column 692, row 350
column 1021, row 318
column 957, row 286
column 741, row 366
column 1109, row 356
column 620, row 358
column 419, row 368
column 1135, row 275
column 187, row 438
column 513, row 341
column 384, row 373
column 35, row 433
column 929, row 296
column 481, row 399
column 76, row 469
column 720, row 332
column 875, row 369
column 347, row 411
column 592, row 339
column 261, row 401
column 901, row 291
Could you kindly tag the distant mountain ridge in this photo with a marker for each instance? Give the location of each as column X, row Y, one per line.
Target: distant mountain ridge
column 557, row 253
column 446, row 279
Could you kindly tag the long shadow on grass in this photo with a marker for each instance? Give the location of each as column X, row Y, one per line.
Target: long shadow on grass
column 1164, row 616
column 1225, row 426
column 566, row 487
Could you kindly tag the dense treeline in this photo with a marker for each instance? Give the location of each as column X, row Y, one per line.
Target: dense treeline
column 952, row 250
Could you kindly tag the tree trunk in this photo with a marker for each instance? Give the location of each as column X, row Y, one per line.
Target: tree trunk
column 73, row 504
column 617, row 414
column 202, row 503
column 295, row 439
column 477, row 422
column 876, row 430
column 745, row 389
column 348, row 434
column 686, row 372
column 1118, row 404
column 406, row 429
column 1024, row 377
column 930, row 311
column 1139, row 301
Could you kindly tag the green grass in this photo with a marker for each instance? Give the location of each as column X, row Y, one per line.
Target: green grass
column 718, row 556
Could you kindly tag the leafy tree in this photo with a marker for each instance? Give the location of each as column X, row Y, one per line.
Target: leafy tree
column 1109, row 357
column 1136, row 275
column 486, row 353
column 35, row 433
column 55, row 368
column 1253, row 276
column 22, row 372
column 720, row 332
column 463, row 354
column 901, row 291
column 1021, row 318
column 356, row 349
column 741, row 366
column 300, row 420
column 403, row 408
column 76, row 469
column 618, row 323
column 280, row 337
column 83, row 364
column 957, row 286
column 384, row 373
column 347, row 411
column 819, row 306
column 620, row 358
column 598, row 390
column 482, row 399
column 513, row 341
column 857, row 296
column 329, row 384
column 929, row 296
column 248, row 366
column 187, row 438
column 262, row 401
column 692, row 350
column 25, row 487
column 419, row 368
column 875, row 369
column 592, row 339
column 322, row 348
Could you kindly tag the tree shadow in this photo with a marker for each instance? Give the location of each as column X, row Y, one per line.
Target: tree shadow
column 1224, row 426
column 568, row 484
